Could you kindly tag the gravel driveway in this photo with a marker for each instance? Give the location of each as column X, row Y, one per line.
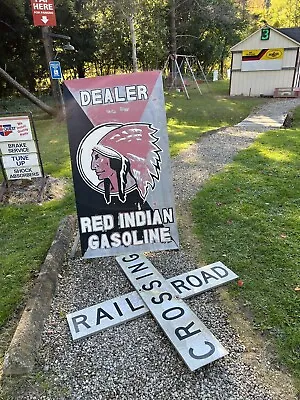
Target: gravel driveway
column 135, row 360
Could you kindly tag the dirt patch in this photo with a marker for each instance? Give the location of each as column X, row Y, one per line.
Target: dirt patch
column 259, row 350
column 37, row 190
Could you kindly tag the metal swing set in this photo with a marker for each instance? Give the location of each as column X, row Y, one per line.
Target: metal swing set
column 186, row 63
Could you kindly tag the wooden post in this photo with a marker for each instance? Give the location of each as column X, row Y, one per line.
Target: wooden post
column 48, row 45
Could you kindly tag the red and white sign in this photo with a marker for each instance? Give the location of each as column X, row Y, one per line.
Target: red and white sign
column 121, row 164
column 43, row 12
column 13, row 128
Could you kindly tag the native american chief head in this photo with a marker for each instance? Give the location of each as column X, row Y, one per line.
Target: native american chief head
column 125, row 159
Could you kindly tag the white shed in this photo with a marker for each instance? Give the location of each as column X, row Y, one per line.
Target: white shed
column 267, row 59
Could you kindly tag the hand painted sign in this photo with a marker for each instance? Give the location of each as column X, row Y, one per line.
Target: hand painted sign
column 20, row 160
column 121, row 165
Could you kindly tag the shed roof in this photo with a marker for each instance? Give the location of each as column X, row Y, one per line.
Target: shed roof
column 293, row 33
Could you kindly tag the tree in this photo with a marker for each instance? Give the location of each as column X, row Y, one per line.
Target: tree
column 114, row 36
column 127, row 9
column 27, row 94
column 18, row 39
column 144, row 23
column 207, row 29
column 75, row 19
column 278, row 13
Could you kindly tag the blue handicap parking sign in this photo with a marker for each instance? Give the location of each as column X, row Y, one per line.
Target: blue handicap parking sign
column 55, row 70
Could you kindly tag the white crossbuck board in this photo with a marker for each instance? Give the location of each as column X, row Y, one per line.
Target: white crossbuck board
column 193, row 341
column 129, row 306
column 109, row 313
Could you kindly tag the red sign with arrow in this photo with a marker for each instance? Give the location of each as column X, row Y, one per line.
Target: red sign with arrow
column 43, row 12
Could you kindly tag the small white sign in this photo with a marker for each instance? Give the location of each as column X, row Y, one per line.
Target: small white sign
column 107, row 314
column 20, row 160
column 24, row 173
column 25, row 147
column 193, row 341
column 15, row 128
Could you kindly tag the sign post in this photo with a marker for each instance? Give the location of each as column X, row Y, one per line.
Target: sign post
column 43, row 14
column 56, row 90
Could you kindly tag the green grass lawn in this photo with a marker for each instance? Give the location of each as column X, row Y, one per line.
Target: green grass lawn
column 188, row 119
column 248, row 217
column 28, row 230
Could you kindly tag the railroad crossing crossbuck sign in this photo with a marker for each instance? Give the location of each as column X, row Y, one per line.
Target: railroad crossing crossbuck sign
column 164, row 299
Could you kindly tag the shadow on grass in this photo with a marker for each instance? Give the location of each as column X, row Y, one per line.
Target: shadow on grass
column 188, row 119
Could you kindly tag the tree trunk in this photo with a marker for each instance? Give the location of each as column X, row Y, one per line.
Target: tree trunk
column 27, row 94
column 80, row 70
column 222, row 68
column 222, row 60
column 173, row 48
column 173, row 38
column 133, row 42
column 31, row 82
column 48, row 45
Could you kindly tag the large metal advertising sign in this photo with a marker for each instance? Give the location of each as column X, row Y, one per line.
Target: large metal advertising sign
column 121, row 164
